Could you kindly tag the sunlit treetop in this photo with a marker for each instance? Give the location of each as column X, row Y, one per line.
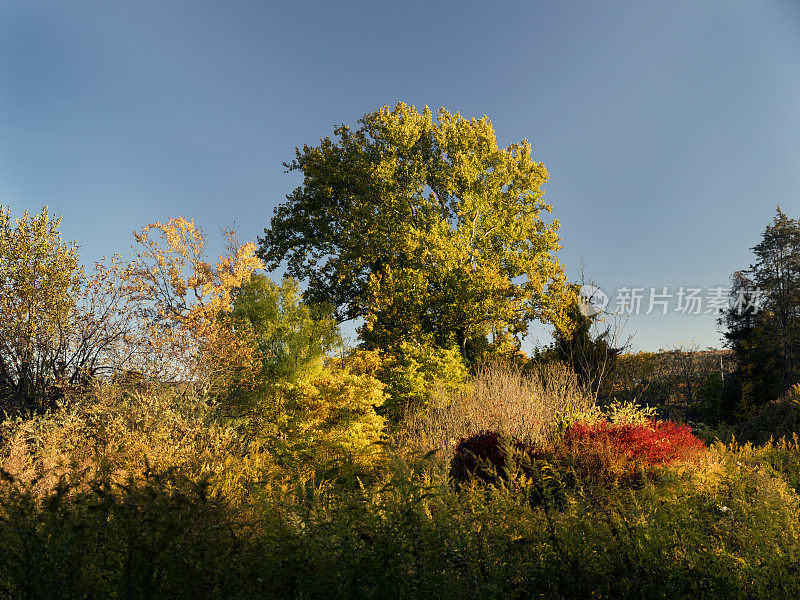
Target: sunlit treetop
column 424, row 227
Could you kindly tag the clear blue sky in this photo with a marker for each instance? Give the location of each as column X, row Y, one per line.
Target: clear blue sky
column 671, row 130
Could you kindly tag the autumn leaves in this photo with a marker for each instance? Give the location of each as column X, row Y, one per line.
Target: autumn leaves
column 163, row 313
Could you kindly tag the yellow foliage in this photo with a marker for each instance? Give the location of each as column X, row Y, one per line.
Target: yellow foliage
column 333, row 413
column 422, row 225
column 58, row 326
column 186, row 300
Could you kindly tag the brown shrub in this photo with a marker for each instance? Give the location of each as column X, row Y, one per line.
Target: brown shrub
column 530, row 407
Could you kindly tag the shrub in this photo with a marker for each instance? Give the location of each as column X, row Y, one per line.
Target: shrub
column 656, row 443
column 496, row 459
column 625, row 452
column 532, row 407
column 774, row 420
column 334, row 413
column 121, row 432
column 413, row 372
column 488, row 456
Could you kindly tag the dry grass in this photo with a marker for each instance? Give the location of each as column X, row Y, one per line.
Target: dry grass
column 530, row 407
column 125, row 433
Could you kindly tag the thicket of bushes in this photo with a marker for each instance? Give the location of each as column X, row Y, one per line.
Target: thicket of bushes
column 212, row 438
column 146, row 494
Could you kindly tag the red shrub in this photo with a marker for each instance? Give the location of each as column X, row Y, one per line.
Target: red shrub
column 652, row 444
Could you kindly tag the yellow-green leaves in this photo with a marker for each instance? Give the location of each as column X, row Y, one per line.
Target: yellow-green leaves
column 39, row 281
column 424, row 227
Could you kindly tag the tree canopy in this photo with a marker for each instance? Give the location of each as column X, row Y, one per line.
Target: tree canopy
column 292, row 338
column 425, row 228
column 762, row 324
column 186, row 300
column 39, row 280
column 60, row 327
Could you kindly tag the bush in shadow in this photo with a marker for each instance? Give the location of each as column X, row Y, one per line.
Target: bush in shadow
column 780, row 418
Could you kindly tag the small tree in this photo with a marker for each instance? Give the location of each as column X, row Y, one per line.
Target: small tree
column 301, row 398
column 39, row 283
column 184, row 305
column 291, row 341
column 589, row 343
column 59, row 327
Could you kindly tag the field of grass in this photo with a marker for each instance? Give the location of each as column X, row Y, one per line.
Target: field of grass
column 148, row 492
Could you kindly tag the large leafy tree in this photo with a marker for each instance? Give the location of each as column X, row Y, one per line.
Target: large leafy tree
column 425, row 228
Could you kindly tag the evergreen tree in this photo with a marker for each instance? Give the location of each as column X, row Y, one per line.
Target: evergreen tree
column 762, row 324
column 588, row 346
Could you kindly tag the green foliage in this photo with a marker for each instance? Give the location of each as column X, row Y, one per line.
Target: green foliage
column 425, row 228
column 209, row 514
column 728, row 529
column 307, row 408
column 766, row 341
column 146, row 491
column 779, row 418
column 411, row 372
column 158, row 537
column 292, row 338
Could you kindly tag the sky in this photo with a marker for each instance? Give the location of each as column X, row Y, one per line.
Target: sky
column 671, row 131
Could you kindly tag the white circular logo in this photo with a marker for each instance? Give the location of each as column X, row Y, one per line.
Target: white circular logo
column 592, row 300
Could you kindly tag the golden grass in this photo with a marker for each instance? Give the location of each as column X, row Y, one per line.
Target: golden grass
column 125, row 433
column 498, row 397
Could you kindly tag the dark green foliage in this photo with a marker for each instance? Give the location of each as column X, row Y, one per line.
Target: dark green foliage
column 162, row 537
column 767, row 340
column 780, row 418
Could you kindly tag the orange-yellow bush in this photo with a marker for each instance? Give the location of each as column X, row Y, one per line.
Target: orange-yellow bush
column 184, row 304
